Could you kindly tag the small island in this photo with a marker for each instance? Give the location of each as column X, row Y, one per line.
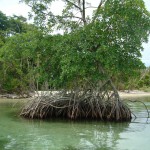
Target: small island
column 92, row 58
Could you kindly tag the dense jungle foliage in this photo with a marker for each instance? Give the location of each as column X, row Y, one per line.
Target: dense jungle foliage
column 33, row 57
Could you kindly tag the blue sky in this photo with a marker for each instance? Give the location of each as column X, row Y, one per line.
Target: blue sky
column 10, row 7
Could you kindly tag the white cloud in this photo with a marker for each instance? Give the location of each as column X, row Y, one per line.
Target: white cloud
column 14, row 7
column 147, row 4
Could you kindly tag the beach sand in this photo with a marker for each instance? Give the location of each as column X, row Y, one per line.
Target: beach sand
column 134, row 93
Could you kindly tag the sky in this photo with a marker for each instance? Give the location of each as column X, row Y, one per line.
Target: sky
column 13, row 7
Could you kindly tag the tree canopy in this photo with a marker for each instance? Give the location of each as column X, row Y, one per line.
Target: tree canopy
column 91, row 48
column 110, row 39
column 18, row 45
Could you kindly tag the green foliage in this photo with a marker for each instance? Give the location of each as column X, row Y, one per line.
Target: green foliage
column 13, row 25
column 3, row 22
column 125, row 24
column 92, row 49
column 48, row 20
column 144, row 80
column 18, row 53
column 18, row 61
column 70, row 148
column 16, row 25
column 139, row 80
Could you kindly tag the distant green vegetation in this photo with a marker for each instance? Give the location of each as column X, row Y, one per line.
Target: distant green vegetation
column 140, row 80
column 144, row 81
column 110, row 41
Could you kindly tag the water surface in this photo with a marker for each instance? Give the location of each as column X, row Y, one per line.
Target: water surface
column 17, row 133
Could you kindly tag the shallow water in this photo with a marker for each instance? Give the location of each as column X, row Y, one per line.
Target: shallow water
column 21, row 134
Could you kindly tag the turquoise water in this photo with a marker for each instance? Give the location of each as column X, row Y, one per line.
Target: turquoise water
column 17, row 133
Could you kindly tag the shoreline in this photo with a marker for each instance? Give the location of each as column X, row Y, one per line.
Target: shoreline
column 122, row 94
column 134, row 93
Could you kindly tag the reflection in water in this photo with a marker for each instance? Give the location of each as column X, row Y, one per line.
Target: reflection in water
column 21, row 134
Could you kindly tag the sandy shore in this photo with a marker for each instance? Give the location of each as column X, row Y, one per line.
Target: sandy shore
column 123, row 94
column 134, row 93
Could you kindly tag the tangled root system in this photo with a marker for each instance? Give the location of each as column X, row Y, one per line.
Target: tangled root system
column 101, row 103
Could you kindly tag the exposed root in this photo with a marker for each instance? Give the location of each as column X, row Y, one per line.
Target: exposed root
column 134, row 101
column 101, row 103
